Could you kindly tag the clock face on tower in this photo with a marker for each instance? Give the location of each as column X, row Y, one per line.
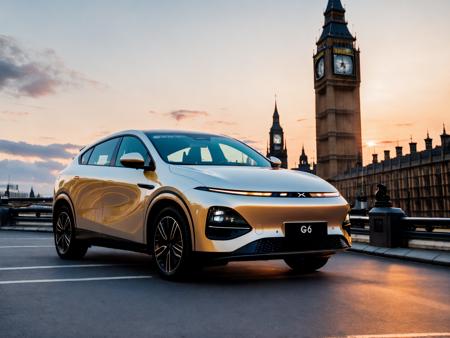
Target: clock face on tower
column 277, row 139
column 320, row 68
column 343, row 64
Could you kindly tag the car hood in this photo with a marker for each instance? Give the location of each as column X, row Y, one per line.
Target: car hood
column 253, row 178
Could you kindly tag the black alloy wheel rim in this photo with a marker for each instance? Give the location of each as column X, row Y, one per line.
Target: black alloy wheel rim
column 63, row 232
column 168, row 244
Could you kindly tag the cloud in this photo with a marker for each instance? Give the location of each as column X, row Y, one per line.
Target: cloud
column 392, row 141
column 184, row 114
column 28, row 105
column 38, row 174
column 14, row 113
column 301, row 120
column 383, row 143
column 387, row 142
column 404, row 124
column 12, row 116
column 223, row 123
column 249, row 141
column 34, row 74
column 45, row 152
column 101, row 133
column 38, row 171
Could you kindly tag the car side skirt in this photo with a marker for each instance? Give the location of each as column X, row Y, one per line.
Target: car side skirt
column 93, row 238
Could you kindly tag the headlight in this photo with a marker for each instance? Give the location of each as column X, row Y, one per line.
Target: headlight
column 225, row 223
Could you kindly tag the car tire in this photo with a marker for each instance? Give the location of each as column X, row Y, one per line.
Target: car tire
column 66, row 244
column 171, row 246
column 305, row 264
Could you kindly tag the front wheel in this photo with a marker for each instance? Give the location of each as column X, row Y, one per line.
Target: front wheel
column 66, row 244
column 305, row 264
column 171, row 244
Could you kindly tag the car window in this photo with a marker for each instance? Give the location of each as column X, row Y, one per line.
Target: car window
column 236, row 156
column 103, row 153
column 203, row 149
column 201, row 154
column 131, row 144
column 85, row 157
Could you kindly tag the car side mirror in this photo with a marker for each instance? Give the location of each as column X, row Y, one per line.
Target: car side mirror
column 133, row 160
column 275, row 161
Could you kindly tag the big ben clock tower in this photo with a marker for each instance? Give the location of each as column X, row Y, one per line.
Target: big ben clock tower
column 277, row 143
column 336, row 82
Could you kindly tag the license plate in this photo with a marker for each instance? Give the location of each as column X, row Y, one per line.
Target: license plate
column 305, row 231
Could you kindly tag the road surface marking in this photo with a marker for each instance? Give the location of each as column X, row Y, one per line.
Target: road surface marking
column 404, row 335
column 25, row 246
column 62, row 266
column 30, row 281
column 19, row 238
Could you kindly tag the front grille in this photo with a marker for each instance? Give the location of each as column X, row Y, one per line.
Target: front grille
column 279, row 245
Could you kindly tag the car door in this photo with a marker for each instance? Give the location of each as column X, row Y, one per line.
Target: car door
column 87, row 189
column 126, row 193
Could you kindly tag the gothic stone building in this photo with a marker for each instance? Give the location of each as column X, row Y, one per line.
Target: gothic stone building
column 304, row 165
column 418, row 182
column 336, row 82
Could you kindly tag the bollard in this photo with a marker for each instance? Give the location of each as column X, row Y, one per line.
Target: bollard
column 4, row 216
column 385, row 221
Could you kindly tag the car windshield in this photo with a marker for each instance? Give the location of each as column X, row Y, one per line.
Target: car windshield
column 204, row 149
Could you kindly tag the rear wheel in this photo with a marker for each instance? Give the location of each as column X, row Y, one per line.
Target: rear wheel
column 171, row 244
column 305, row 264
column 66, row 244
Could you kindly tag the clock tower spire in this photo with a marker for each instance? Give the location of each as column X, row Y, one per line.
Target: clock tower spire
column 336, row 82
column 277, row 144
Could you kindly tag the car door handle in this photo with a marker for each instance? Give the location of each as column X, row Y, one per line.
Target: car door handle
column 146, row 186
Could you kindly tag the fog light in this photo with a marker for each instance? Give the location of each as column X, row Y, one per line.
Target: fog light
column 218, row 216
column 225, row 223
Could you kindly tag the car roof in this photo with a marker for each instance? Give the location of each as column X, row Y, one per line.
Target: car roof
column 178, row 132
column 150, row 132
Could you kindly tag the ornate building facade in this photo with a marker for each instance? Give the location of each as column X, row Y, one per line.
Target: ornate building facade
column 277, row 143
column 336, row 82
column 418, row 182
column 304, row 165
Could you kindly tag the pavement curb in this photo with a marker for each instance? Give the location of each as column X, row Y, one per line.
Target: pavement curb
column 417, row 255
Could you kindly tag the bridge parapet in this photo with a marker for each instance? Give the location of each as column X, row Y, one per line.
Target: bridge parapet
column 26, row 213
column 389, row 227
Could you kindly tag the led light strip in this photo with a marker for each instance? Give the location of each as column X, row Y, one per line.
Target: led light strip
column 273, row 194
column 323, row 194
column 244, row 193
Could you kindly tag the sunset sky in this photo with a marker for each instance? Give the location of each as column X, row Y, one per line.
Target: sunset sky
column 71, row 72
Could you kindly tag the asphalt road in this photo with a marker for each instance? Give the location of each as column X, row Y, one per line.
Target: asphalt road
column 113, row 293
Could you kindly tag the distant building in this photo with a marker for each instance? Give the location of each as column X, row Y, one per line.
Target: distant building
column 418, row 182
column 277, row 143
column 304, row 165
column 11, row 190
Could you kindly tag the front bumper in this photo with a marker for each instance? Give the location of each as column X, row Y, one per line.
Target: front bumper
column 267, row 217
column 277, row 248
